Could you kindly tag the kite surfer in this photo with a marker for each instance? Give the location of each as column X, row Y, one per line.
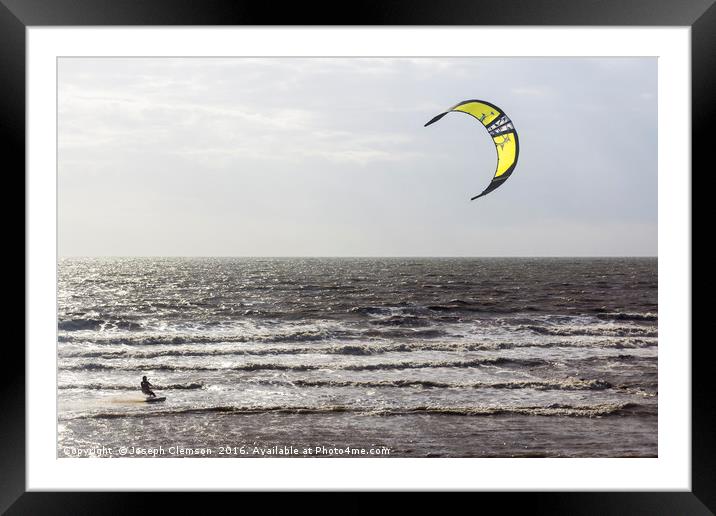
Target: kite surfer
column 146, row 387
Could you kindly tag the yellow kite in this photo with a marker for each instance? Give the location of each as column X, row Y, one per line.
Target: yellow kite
column 503, row 135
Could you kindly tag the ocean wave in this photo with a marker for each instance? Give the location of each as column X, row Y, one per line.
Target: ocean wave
column 80, row 324
column 460, row 305
column 308, row 367
column 629, row 316
column 130, row 354
column 402, row 320
column 268, row 334
column 569, row 384
column 555, row 409
column 456, row 305
column 398, row 333
column 111, row 387
column 370, row 310
column 148, row 340
column 361, row 350
column 592, row 330
column 521, row 362
column 621, row 358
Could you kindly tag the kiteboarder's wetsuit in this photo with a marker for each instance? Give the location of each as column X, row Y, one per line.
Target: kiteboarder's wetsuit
column 146, row 387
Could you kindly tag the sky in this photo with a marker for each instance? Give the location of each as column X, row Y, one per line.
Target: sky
column 329, row 157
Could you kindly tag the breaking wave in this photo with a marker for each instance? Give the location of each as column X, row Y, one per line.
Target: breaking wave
column 567, row 385
column 111, row 387
column 592, row 330
column 97, row 324
column 306, row 367
column 555, row 409
column 629, row 316
column 364, row 350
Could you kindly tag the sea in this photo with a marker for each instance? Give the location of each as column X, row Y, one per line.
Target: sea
column 357, row 357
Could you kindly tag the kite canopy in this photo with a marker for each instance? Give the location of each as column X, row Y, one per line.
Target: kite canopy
column 503, row 136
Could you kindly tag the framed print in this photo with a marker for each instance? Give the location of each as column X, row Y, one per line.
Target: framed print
column 284, row 255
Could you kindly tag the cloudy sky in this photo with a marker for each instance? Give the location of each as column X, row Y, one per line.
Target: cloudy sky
column 329, row 157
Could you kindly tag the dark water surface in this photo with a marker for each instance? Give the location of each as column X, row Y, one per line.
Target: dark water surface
column 423, row 357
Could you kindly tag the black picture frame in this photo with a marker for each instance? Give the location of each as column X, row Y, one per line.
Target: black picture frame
column 17, row 15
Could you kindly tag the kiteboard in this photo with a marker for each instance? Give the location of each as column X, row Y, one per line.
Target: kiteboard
column 155, row 400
